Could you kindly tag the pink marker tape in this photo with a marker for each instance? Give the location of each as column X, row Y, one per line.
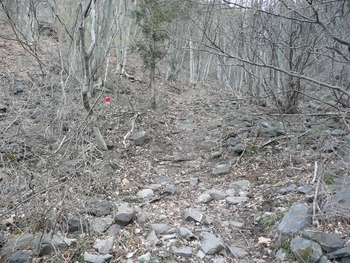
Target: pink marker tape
column 108, row 100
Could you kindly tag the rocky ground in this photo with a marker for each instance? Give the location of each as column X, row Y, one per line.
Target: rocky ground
column 206, row 177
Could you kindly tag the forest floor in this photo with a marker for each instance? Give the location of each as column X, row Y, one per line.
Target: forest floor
column 52, row 164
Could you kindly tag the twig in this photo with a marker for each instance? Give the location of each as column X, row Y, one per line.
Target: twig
column 314, row 204
column 283, row 137
column 315, row 172
column 133, row 119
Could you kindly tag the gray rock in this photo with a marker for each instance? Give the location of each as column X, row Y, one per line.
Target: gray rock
column 194, row 181
column 152, row 237
column 237, row 251
column 306, row 250
column 305, row 189
column 280, row 255
column 130, row 199
column 263, row 123
column 124, row 215
column 232, row 200
column 77, row 223
column 140, row 138
column 200, row 254
column 185, row 233
column 184, row 252
column 100, row 225
column 236, row 150
column 240, row 185
column 114, row 230
column 337, row 132
column 161, row 179
column 104, row 246
column 215, row 155
column 230, row 192
column 45, row 244
column 343, row 260
column 97, row 207
column 3, row 108
column 18, row 88
column 221, row 170
column 21, row 242
column 19, row 257
column 287, row 189
column 172, row 189
column 236, row 224
column 233, row 141
column 338, row 204
column 204, row 198
column 233, row 161
column 216, row 194
column 343, row 252
column 207, row 221
column 211, row 244
column 193, row 215
column 296, row 219
column 159, row 228
column 329, row 242
column 145, row 194
column 146, row 258
column 323, row 259
column 185, row 204
column 219, row 260
column 91, row 258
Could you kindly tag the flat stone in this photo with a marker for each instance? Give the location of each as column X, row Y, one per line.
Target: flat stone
column 145, row 194
column 193, row 215
column 91, row 258
column 237, row 251
column 221, row 169
column 305, row 189
column 216, row 194
column 296, row 219
column 215, row 155
column 19, row 257
column 184, row 252
column 230, row 192
column 211, row 244
column 21, row 242
column 204, row 198
column 240, row 185
column 232, row 200
column 207, row 221
column 161, row 179
column 185, row 233
column 97, row 207
column 172, row 189
column 236, row 224
column 140, row 138
column 100, row 225
column 152, row 237
column 159, row 228
column 329, row 242
column 104, row 246
column 77, row 223
column 306, row 250
column 343, row 252
column 114, row 230
column 145, row 258
column 124, row 215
